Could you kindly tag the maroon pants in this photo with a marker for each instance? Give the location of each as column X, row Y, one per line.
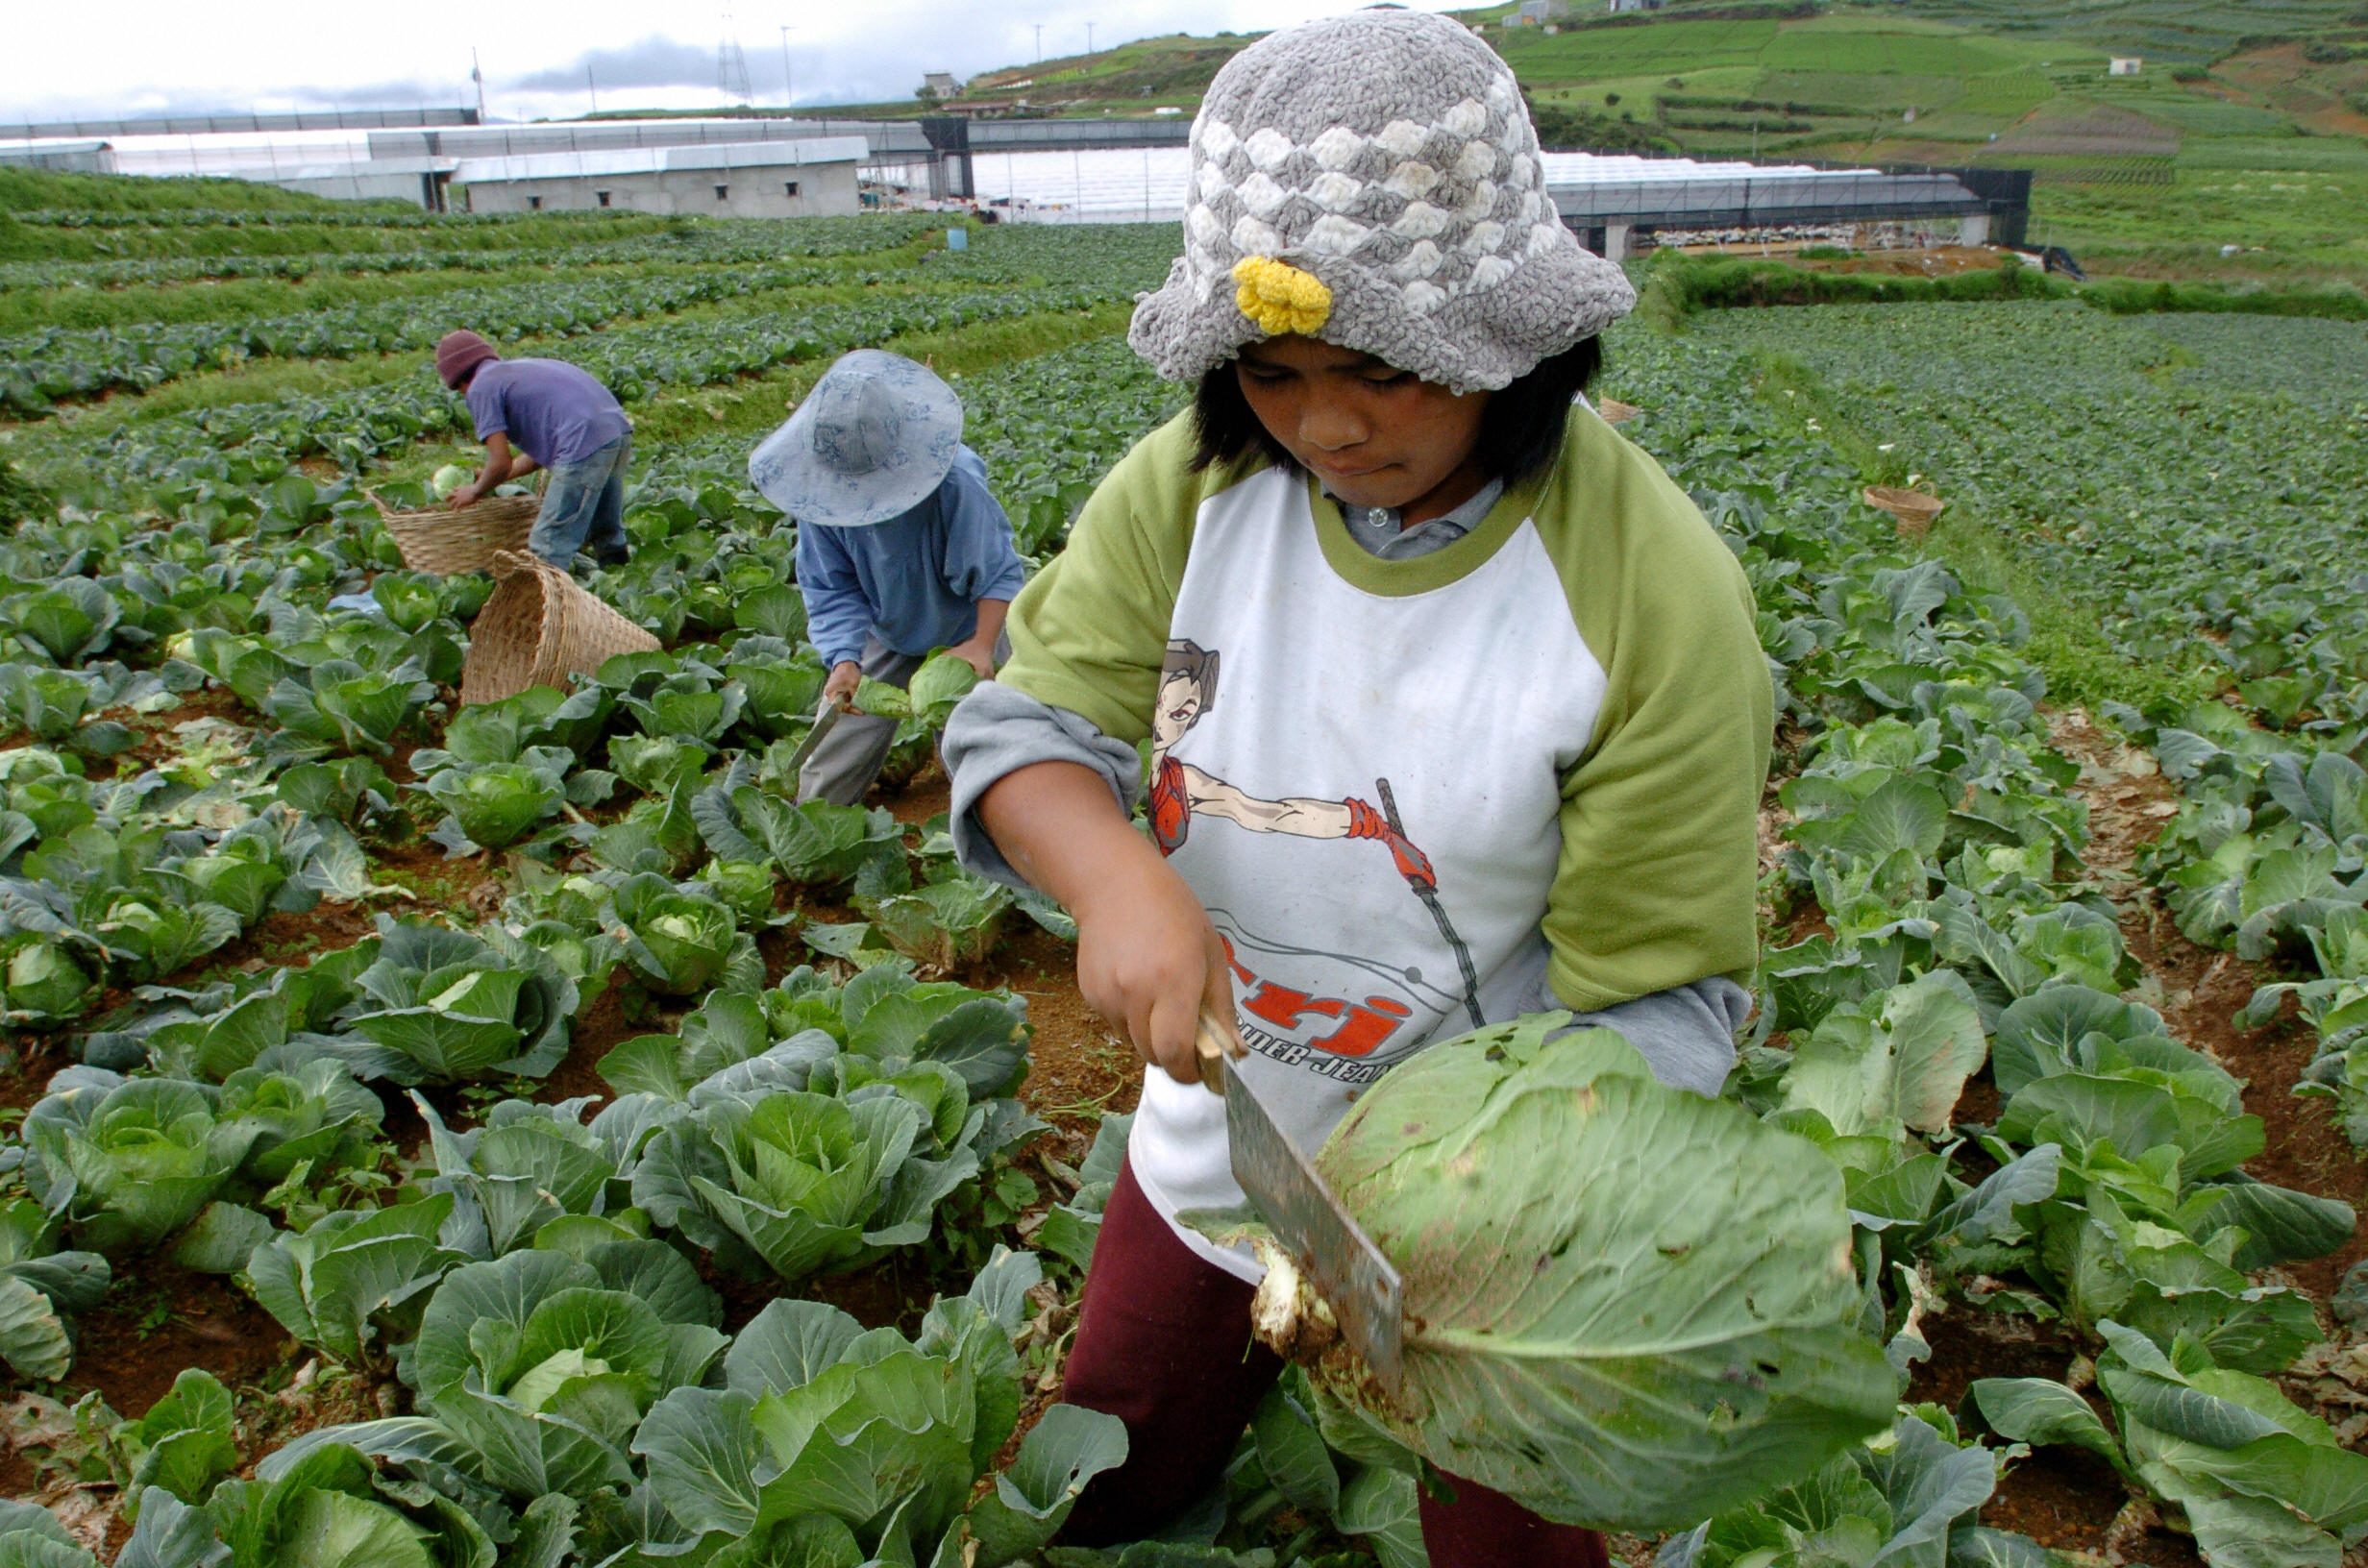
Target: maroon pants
column 1165, row 1345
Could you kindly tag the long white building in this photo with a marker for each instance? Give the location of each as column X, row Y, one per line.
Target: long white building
column 738, row 179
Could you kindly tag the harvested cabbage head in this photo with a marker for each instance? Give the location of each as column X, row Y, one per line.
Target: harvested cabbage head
column 1627, row 1307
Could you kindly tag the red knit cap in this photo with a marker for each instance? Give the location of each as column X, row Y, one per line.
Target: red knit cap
column 461, row 353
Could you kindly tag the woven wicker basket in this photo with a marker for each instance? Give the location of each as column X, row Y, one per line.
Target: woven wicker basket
column 1913, row 509
column 537, row 628
column 445, row 544
column 1615, row 411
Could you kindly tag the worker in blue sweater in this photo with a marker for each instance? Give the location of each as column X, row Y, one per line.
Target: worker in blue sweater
column 902, row 548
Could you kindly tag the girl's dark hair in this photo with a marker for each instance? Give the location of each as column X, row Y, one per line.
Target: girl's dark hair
column 1520, row 429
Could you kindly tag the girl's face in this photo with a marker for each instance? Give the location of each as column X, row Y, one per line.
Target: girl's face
column 1375, row 435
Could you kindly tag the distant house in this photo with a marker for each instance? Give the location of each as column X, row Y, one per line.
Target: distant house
column 941, row 83
column 2124, row 65
column 1619, row 6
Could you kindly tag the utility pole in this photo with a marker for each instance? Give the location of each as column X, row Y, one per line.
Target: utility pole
column 1089, row 37
column 1040, row 43
column 476, row 74
column 789, row 83
column 591, row 87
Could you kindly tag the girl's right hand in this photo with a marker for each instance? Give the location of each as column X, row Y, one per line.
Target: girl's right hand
column 1150, row 964
column 1148, row 961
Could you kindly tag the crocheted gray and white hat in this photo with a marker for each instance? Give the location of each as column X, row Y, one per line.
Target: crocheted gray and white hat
column 1372, row 179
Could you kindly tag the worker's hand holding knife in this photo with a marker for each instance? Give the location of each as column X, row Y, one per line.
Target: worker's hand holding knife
column 840, row 689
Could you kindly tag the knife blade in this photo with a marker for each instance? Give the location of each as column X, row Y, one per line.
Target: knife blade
column 825, row 718
column 1337, row 1258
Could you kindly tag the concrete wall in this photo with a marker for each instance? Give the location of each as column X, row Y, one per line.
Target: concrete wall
column 360, row 185
column 752, row 191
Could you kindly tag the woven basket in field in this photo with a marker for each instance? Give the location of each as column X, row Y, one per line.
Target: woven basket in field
column 1615, row 411
column 537, row 628
column 1913, row 509
column 445, row 544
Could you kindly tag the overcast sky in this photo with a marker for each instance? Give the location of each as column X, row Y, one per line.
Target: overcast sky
column 124, row 57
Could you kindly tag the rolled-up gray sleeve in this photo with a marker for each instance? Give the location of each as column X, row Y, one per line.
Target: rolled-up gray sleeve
column 1685, row 1034
column 997, row 731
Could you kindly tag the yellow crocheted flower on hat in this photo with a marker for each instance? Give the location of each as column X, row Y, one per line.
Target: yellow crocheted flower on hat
column 1279, row 297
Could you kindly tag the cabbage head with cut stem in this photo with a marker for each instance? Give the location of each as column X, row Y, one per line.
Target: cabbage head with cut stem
column 1627, row 1307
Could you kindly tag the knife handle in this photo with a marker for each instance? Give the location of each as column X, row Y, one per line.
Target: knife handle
column 1210, row 1045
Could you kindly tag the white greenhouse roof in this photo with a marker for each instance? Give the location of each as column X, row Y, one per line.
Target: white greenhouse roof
column 628, row 160
column 1146, row 184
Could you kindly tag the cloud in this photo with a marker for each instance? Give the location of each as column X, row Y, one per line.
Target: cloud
column 655, row 62
column 170, row 56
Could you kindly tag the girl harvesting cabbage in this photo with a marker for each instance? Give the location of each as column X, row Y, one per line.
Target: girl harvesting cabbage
column 1453, row 614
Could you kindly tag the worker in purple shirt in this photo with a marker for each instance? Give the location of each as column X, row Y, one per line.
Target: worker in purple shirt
column 901, row 548
column 546, row 413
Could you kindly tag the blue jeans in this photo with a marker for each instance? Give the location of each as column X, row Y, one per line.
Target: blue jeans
column 583, row 507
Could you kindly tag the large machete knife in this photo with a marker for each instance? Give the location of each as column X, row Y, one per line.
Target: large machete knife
column 1337, row 1258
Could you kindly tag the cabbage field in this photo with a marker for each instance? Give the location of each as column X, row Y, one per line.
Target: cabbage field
column 517, row 1136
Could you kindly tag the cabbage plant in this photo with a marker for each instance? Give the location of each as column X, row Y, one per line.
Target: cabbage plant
column 43, row 983
column 2260, row 1480
column 302, row 1109
column 784, row 689
column 1910, row 1497
column 40, row 1291
column 831, row 1444
column 527, row 1165
column 816, row 843
column 1627, row 1307
column 128, row 1162
column 31, row 1534
column 681, row 941
column 494, row 804
column 942, row 924
column 439, row 1006
column 317, row 1502
column 67, row 621
column 186, row 1442
column 882, row 1013
column 504, row 731
column 928, row 698
column 534, row 1370
column 341, row 706
column 336, row 1284
column 805, row 1181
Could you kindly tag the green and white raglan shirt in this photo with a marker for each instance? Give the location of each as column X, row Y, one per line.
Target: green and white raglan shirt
column 1564, row 714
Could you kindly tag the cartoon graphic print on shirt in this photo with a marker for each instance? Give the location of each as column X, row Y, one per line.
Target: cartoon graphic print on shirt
column 1180, row 792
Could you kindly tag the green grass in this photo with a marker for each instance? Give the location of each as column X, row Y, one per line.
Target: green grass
column 2321, row 213
column 1662, row 49
column 32, row 190
column 1814, row 46
column 2317, row 154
